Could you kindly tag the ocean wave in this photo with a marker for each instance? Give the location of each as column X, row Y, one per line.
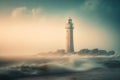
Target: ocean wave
column 66, row 65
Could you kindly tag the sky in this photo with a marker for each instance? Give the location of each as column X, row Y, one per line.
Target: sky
column 35, row 26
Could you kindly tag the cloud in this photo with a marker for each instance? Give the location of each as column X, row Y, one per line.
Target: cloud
column 18, row 12
column 91, row 5
column 26, row 12
column 36, row 12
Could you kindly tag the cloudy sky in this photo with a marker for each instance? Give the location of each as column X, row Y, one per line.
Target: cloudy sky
column 33, row 26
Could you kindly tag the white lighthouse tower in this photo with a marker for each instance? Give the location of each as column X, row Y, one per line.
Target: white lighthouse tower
column 69, row 37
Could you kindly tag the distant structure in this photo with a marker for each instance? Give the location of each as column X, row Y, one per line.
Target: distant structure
column 69, row 37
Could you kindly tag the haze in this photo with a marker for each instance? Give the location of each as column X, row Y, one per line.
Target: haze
column 27, row 30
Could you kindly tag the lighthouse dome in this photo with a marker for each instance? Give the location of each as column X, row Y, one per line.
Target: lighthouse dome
column 69, row 25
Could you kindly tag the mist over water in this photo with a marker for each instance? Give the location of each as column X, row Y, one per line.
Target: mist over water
column 39, row 66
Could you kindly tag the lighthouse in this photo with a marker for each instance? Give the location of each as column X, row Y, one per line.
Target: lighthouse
column 69, row 36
